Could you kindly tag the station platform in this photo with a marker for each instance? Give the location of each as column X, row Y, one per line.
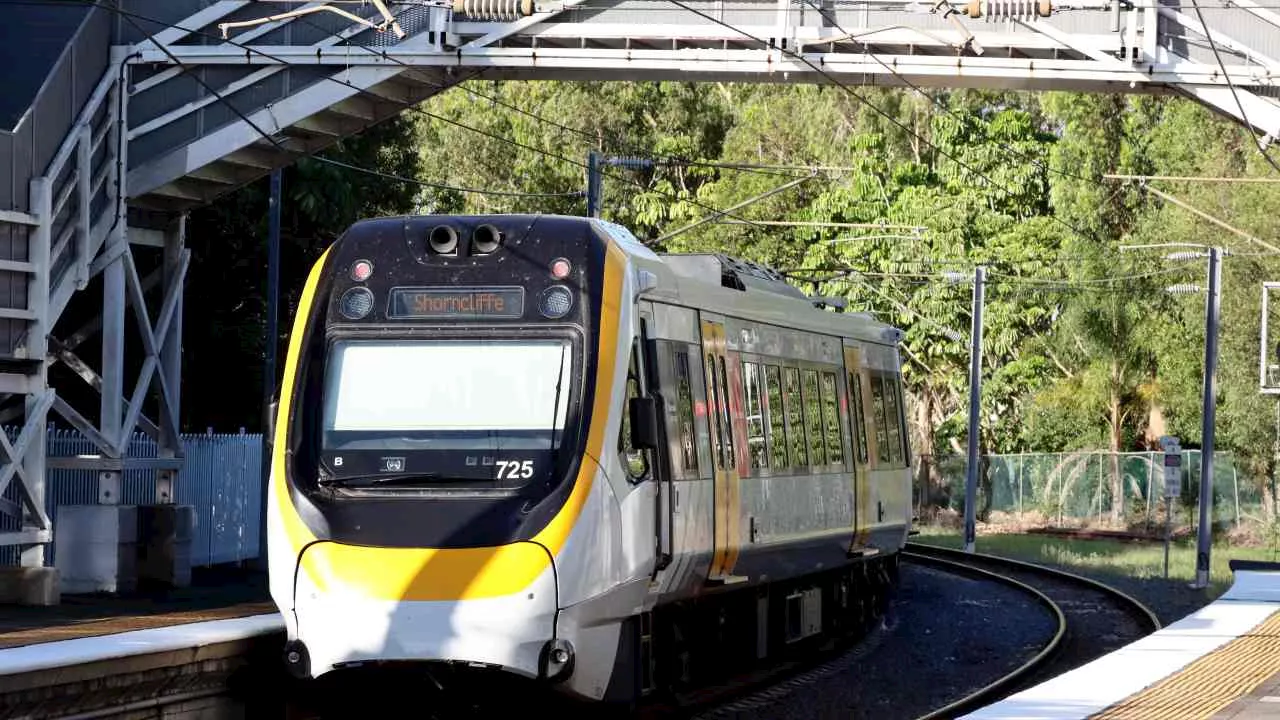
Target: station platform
column 197, row 651
column 214, row 594
column 1222, row 661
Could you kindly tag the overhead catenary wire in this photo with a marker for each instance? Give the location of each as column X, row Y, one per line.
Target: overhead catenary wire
column 507, row 140
column 610, row 138
column 691, row 201
column 1213, row 45
column 984, row 125
column 441, row 186
column 130, row 17
column 878, row 110
column 278, row 145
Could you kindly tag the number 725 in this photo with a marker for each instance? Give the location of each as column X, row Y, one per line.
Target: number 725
column 515, row 469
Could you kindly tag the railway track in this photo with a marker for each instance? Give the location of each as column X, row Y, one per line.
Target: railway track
column 1093, row 619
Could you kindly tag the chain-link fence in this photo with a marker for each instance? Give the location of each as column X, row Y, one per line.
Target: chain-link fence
column 1080, row 488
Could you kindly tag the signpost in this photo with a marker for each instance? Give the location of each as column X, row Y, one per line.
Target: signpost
column 1172, row 489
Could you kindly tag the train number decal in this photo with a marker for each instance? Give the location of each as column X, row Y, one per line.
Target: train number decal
column 515, row 469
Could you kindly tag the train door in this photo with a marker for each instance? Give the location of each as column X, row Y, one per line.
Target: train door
column 724, row 463
column 663, row 491
column 861, row 458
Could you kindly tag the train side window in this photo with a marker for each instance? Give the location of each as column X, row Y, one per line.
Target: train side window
column 684, row 411
column 727, row 419
column 755, row 415
column 777, row 426
column 857, row 411
column 902, row 405
column 893, row 418
column 795, row 426
column 713, row 411
column 634, row 461
column 831, row 417
column 813, row 419
column 883, row 453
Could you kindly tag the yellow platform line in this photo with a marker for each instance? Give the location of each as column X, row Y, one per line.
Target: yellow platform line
column 1210, row 683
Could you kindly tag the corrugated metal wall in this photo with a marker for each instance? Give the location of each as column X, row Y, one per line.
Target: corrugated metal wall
column 222, row 479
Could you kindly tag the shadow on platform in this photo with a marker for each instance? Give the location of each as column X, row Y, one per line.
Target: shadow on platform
column 215, row 593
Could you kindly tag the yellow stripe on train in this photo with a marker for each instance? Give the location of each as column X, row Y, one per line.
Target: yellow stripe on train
column 452, row 573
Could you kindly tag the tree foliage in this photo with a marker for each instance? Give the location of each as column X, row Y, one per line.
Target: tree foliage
column 888, row 198
column 226, row 296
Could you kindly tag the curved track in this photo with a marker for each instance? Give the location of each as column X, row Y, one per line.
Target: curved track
column 1094, row 618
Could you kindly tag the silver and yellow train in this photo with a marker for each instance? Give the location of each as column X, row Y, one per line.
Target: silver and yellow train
column 530, row 444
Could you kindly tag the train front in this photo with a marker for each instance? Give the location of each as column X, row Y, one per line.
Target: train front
column 430, row 447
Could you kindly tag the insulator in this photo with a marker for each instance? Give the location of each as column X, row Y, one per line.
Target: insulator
column 1009, row 9
column 631, row 163
column 499, row 10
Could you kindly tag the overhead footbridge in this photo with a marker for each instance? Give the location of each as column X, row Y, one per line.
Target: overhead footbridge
column 128, row 113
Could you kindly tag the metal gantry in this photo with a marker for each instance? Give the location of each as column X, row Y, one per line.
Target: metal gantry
column 161, row 106
column 341, row 74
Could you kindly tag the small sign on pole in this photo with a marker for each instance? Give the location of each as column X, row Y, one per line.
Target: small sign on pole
column 1269, row 347
column 1172, row 470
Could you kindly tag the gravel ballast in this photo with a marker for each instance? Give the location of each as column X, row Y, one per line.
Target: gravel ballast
column 944, row 637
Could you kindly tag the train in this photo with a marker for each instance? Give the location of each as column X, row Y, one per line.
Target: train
column 530, row 445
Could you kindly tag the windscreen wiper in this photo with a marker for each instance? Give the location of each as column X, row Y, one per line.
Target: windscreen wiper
column 381, row 479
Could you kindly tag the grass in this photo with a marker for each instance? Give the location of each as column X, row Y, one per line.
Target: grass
column 1134, row 559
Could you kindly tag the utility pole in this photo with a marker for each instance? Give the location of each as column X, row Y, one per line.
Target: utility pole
column 1204, row 535
column 975, row 395
column 595, row 186
column 595, row 175
column 269, row 363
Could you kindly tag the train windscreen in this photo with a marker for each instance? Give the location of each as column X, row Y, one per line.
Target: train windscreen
column 432, row 395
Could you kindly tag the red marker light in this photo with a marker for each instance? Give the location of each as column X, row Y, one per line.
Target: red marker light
column 560, row 268
column 361, row 270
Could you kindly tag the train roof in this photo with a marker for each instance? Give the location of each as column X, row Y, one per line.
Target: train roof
column 743, row 289
column 708, row 281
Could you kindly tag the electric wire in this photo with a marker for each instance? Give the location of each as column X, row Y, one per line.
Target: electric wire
column 985, row 125
column 279, row 146
column 867, row 103
column 611, row 138
column 506, row 140
column 1230, row 85
column 440, row 186
column 129, row 16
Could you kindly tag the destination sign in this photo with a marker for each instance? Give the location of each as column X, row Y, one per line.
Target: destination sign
column 457, row 303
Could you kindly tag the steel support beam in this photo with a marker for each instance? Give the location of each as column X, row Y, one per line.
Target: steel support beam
column 176, row 258
column 1081, row 45
column 30, row 455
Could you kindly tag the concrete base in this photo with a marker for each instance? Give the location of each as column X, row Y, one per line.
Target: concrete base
column 164, row 545
column 118, row 548
column 96, row 548
column 29, row 586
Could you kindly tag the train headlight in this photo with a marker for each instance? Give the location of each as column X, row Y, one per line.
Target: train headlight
column 356, row 303
column 556, row 660
column 560, row 268
column 361, row 270
column 555, row 302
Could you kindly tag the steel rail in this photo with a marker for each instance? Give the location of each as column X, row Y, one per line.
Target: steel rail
column 964, row 562
column 960, row 555
column 982, row 694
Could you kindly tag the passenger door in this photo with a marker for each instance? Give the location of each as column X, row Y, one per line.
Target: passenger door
column 727, row 502
column 861, row 455
column 663, row 492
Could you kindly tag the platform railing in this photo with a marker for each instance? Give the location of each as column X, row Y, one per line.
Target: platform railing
column 221, row 479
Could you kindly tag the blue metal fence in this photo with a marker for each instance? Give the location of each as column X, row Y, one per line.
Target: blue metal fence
column 221, row 478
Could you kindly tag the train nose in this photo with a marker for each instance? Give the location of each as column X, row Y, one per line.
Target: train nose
column 357, row 605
